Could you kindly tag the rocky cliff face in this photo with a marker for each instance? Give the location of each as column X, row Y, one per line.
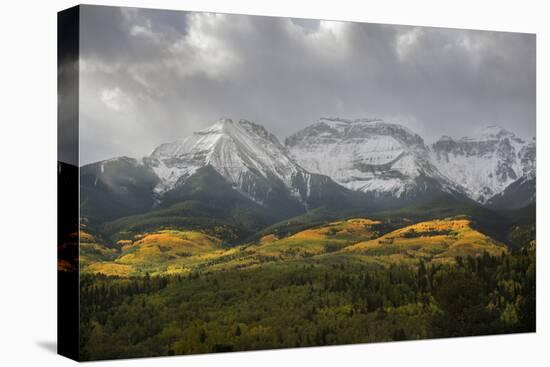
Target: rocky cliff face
column 369, row 155
column 486, row 163
column 244, row 153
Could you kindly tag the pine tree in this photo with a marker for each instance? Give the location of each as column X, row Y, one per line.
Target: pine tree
column 202, row 336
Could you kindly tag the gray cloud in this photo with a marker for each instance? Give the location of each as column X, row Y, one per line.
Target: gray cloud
column 151, row 76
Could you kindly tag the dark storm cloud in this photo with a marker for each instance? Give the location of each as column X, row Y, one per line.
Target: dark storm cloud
column 109, row 33
column 152, row 76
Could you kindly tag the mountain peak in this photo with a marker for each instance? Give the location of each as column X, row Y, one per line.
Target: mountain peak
column 484, row 163
column 366, row 154
column 223, row 125
column 224, row 122
column 349, row 121
column 493, row 130
column 248, row 156
column 336, row 127
column 227, row 127
column 490, row 132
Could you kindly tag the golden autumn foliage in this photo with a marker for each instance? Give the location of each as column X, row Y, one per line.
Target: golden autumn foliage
column 110, row 268
column 436, row 241
column 360, row 239
column 93, row 250
column 86, row 237
column 168, row 251
column 268, row 238
column 326, row 238
column 123, row 243
column 168, row 241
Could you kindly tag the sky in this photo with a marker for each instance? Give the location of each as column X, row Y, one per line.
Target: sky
column 154, row 76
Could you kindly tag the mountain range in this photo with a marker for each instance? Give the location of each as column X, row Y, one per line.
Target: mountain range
column 239, row 175
column 247, row 156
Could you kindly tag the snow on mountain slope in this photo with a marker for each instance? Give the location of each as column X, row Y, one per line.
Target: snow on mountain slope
column 244, row 153
column 321, row 164
column 486, row 163
column 368, row 155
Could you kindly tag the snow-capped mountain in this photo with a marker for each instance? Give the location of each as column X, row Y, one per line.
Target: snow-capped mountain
column 236, row 170
column 369, row 155
column 244, row 153
column 331, row 164
column 487, row 163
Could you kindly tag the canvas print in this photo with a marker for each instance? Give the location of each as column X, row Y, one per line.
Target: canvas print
column 236, row 183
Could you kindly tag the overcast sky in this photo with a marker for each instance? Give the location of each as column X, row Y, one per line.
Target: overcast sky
column 153, row 76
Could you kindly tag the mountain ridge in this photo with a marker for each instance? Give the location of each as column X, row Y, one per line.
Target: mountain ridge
column 245, row 153
column 486, row 163
column 369, row 155
column 363, row 164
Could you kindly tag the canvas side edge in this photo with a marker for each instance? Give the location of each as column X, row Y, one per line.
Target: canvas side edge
column 68, row 340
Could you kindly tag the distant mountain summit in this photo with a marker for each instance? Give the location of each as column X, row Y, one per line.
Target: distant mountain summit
column 486, row 163
column 249, row 157
column 242, row 152
column 371, row 156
